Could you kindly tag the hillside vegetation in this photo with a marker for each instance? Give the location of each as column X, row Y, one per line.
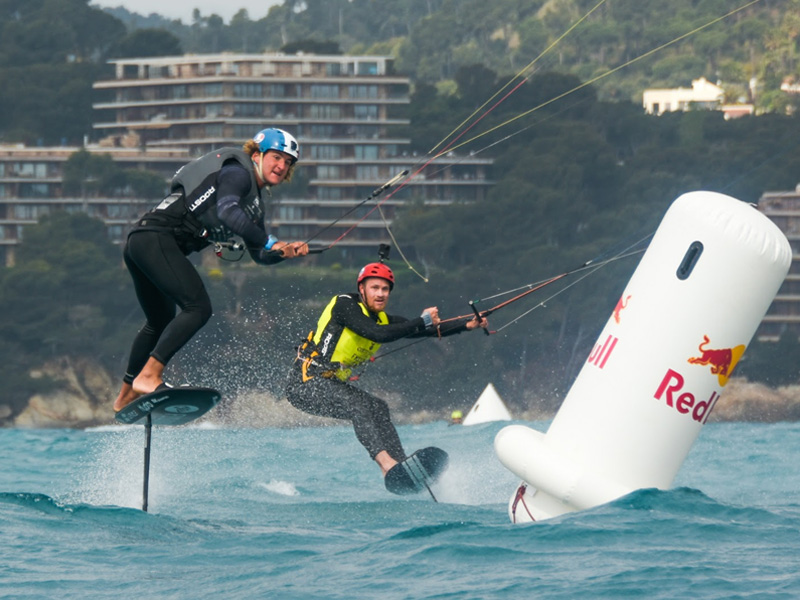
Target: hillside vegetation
column 580, row 174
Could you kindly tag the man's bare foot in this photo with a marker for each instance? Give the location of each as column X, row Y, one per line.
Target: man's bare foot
column 385, row 461
column 125, row 397
column 149, row 378
column 144, row 384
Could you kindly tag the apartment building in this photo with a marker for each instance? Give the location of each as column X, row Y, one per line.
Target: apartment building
column 783, row 208
column 31, row 185
column 349, row 114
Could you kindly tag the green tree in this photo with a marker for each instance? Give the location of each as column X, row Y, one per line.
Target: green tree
column 147, row 42
column 92, row 175
column 50, row 52
column 67, row 295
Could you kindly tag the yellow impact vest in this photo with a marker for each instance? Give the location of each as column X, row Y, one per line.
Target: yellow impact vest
column 350, row 349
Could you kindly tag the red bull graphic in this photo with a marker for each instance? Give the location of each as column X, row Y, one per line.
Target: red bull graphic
column 599, row 355
column 621, row 304
column 722, row 361
column 685, row 402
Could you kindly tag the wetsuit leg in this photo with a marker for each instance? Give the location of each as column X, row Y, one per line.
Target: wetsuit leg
column 334, row 398
column 163, row 278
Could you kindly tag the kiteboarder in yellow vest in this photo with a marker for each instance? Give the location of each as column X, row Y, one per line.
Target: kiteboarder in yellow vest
column 349, row 332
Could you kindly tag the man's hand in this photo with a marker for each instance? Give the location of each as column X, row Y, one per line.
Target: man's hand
column 434, row 314
column 474, row 323
column 291, row 249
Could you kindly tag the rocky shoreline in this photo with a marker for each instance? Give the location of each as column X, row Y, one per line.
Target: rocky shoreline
column 83, row 391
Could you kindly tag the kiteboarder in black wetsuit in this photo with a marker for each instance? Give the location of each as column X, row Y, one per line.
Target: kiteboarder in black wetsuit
column 212, row 199
column 351, row 329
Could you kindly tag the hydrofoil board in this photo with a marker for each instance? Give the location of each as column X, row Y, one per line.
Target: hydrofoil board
column 171, row 406
column 417, row 472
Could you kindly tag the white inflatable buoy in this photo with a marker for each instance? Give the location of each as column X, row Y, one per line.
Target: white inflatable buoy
column 488, row 407
column 649, row 384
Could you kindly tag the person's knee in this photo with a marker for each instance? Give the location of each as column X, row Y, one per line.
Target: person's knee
column 380, row 408
column 200, row 311
column 156, row 325
column 204, row 313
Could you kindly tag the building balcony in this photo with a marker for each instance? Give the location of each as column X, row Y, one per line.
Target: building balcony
column 165, row 122
column 200, row 100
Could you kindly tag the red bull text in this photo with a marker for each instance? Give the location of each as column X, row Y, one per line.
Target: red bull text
column 599, row 355
column 685, row 402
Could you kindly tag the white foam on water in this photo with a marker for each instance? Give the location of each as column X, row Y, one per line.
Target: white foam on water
column 282, row 488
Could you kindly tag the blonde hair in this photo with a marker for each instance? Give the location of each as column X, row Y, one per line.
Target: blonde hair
column 251, row 148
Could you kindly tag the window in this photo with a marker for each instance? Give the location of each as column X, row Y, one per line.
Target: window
column 324, row 91
column 292, row 232
column 328, row 172
column 367, row 68
column 244, row 131
column 366, row 152
column 29, row 211
column 366, row 171
column 176, row 112
column 121, row 211
column 115, row 233
column 321, row 131
column 30, row 169
column 363, row 91
column 326, row 193
column 248, row 90
column 365, row 112
column 365, row 131
column 325, row 152
column 34, row 190
column 248, row 109
column 213, row 89
column 325, row 111
column 290, row 213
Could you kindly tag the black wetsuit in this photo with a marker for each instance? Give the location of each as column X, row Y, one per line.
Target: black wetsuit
column 320, row 392
column 156, row 250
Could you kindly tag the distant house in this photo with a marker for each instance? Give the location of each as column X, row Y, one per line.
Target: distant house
column 790, row 86
column 702, row 95
column 783, row 209
column 734, row 111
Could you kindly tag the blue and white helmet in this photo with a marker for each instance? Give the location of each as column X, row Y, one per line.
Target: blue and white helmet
column 277, row 139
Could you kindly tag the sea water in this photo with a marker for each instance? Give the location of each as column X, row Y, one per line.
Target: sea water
column 302, row 513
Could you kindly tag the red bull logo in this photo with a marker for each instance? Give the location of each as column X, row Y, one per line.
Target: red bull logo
column 621, row 304
column 601, row 352
column 722, row 361
column 671, row 389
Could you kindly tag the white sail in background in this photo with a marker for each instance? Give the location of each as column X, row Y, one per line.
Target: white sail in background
column 488, row 407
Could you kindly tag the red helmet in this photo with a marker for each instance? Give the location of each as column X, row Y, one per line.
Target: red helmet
column 377, row 270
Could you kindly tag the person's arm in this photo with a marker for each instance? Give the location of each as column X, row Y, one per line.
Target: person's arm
column 348, row 313
column 455, row 326
column 450, row 326
column 234, row 184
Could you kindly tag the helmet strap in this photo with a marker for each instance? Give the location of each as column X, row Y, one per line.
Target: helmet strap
column 260, row 168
